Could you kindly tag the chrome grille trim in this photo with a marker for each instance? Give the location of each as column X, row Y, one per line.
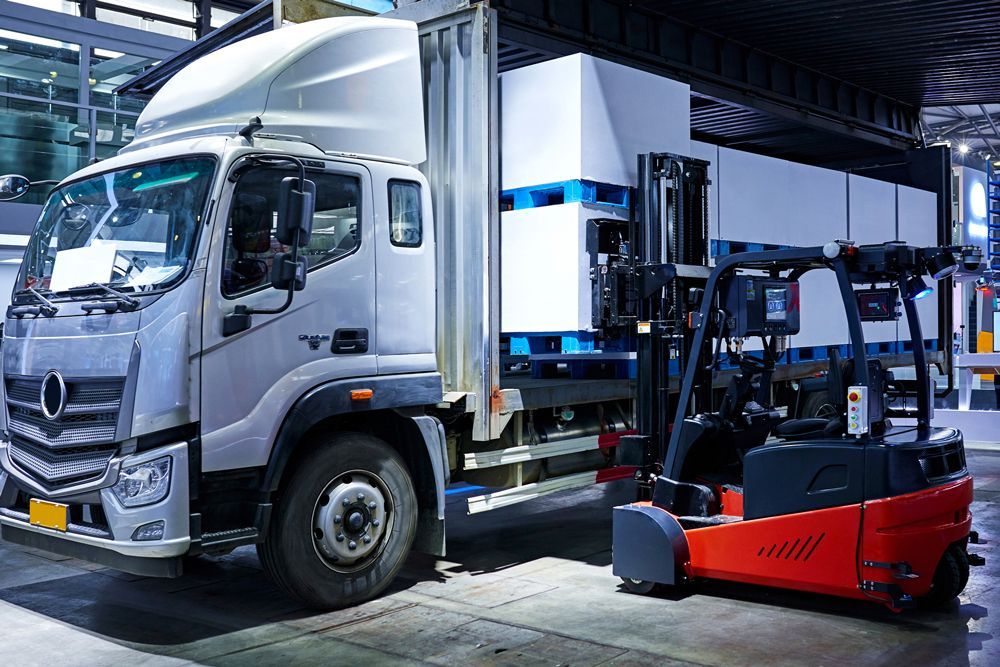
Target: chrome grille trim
column 60, row 465
column 90, row 417
column 75, row 448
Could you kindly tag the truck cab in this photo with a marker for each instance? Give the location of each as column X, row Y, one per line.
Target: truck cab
column 161, row 395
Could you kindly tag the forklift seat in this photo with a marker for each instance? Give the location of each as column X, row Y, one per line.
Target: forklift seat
column 809, row 427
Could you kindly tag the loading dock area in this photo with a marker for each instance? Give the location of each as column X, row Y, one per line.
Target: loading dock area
column 529, row 585
column 499, row 332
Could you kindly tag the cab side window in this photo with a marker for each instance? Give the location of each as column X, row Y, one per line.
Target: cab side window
column 405, row 219
column 250, row 243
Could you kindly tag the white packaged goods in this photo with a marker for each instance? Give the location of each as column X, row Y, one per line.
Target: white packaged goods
column 578, row 117
column 758, row 199
column 545, row 268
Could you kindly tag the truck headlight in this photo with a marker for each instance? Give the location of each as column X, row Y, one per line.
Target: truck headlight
column 143, row 484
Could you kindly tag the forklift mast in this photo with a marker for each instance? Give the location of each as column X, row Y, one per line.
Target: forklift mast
column 670, row 253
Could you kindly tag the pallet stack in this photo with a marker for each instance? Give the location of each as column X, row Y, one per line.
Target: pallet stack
column 571, row 130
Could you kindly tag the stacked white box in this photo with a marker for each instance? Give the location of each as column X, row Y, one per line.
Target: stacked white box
column 766, row 200
column 578, row 117
column 545, row 268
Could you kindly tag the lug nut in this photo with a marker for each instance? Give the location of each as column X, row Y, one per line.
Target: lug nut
column 372, row 505
column 346, row 501
column 352, row 545
column 336, row 519
column 376, row 523
column 340, row 537
column 366, row 539
column 361, row 496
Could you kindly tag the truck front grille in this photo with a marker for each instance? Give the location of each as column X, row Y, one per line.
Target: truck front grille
column 59, row 467
column 76, row 446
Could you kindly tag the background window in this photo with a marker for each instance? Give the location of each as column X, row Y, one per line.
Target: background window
column 250, row 242
column 405, row 223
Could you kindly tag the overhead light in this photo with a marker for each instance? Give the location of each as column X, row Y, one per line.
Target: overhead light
column 942, row 265
column 107, row 53
column 46, row 80
column 3, row 47
column 916, row 288
column 963, row 148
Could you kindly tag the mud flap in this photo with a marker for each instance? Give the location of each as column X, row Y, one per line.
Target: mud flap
column 647, row 544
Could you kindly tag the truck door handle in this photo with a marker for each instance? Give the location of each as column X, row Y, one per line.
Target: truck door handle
column 350, row 341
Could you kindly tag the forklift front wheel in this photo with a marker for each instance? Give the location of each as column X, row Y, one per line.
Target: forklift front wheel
column 639, row 586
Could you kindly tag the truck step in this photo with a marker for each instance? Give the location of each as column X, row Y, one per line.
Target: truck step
column 565, row 192
column 519, row 494
column 509, row 455
column 229, row 538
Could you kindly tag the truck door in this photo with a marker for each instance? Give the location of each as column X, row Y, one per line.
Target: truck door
column 250, row 379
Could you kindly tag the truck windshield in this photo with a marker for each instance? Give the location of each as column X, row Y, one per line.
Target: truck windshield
column 132, row 229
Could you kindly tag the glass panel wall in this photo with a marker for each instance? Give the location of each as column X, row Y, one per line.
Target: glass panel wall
column 110, row 69
column 39, row 67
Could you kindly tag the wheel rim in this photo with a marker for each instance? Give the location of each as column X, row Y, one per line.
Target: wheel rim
column 352, row 520
column 827, row 411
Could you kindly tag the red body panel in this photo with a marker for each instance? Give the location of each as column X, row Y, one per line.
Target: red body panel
column 817, row 551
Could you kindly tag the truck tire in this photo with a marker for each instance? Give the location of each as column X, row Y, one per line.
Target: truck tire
column 950, row 577
column 343, row 523
column 817, row 404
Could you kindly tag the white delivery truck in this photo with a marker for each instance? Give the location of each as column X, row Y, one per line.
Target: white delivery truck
column 253, row 327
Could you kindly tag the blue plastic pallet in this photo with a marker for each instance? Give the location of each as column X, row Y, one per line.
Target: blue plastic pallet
column 565, row 192
column 721, row 247
column 560, row 342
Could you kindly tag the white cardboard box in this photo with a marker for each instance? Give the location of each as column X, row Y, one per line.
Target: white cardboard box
column 580, row 117
column 545, row 268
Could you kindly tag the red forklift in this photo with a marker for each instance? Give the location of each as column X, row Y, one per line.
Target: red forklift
column 847, row 504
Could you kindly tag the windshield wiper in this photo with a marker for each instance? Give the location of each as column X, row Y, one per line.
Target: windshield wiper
column 119, row 300
column 44, row 307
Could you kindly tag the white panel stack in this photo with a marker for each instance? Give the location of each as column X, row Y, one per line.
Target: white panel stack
column 767, row 200
column 578, row 117
column 545, row 269
column 873, row 220
column 918, row 226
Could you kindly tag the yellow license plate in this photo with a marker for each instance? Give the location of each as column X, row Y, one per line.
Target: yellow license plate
column 48, row 515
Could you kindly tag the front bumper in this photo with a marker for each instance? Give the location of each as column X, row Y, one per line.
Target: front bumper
column 110, row 545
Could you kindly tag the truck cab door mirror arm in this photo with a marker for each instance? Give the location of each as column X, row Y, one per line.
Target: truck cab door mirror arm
column 296, row 206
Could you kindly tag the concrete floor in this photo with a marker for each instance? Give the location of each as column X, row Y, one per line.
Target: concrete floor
column 526, row 585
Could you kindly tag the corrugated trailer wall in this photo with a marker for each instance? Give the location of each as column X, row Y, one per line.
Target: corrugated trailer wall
column 458, row 52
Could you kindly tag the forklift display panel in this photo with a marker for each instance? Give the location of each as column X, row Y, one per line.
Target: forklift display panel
column 877, row 304
column 761, row 306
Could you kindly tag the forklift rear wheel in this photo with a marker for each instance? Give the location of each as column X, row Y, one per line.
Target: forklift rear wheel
column 950, row 577
column 343, row 523
column 639, row 586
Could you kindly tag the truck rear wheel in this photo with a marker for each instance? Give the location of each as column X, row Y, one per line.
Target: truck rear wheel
column 343, row 523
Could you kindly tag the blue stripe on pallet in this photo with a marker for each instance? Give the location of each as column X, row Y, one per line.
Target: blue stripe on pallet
column 722, row 247
column 565, row 192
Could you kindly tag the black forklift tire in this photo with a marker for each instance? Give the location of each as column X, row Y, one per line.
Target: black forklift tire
column 291, row 552
column 640, row 586
column 950, row 577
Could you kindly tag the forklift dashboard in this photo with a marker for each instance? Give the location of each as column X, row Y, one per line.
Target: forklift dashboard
column 761, row 306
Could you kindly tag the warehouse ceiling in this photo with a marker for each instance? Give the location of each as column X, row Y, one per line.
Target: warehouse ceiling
column 925, row 53
column 826, row 82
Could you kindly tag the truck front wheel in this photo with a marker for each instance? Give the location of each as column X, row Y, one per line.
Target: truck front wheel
column 343, row 523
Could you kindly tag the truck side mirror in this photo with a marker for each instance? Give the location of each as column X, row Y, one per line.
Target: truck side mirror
column 295, row 211
column 288, row 271
column 13, row 186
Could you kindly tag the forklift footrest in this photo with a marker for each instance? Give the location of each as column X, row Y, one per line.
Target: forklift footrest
column 648, row 544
